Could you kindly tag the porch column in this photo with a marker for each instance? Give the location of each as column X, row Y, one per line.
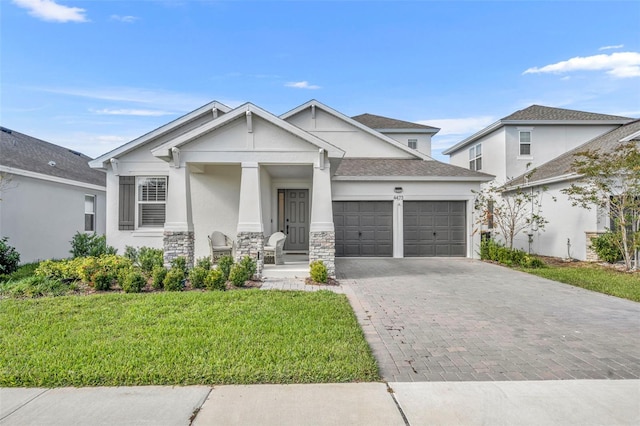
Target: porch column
column 322, row 235
column 178, row 226
column 250, row 241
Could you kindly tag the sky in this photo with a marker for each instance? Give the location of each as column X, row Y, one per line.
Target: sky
column 93, row 75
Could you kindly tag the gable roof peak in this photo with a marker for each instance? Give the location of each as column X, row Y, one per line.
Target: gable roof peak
column 546, row 113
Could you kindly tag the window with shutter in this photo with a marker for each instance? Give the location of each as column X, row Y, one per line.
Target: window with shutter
column 152, row 198
column 127, row 203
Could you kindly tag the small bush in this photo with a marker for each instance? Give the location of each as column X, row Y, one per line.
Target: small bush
column 215, row 280
column 224, row 265
column 318, row 271
column 242, row 271
column 102, row 280
column 606, row 247
column 180, row 262
column 131, row 253
column 174, row 280
column 204, row 263
column 158, row 275
column 197, row 276
column 35, row 286
column 134, row 282
column 491, row 250
column 9, row 257
column 83, row 245
column 24, row 271
column 149, row 258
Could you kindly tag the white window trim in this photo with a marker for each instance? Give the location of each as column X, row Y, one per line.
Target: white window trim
column 530, row 131
column 93, row 213
column 138, row 202
column 476, row 157
column 410, row 141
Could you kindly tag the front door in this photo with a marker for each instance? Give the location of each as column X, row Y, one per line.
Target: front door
column 295, row 218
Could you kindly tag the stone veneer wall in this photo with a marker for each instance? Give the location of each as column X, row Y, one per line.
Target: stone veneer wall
column 322, row 246
column 592, row 256
column 251, row 244
column 176, row 244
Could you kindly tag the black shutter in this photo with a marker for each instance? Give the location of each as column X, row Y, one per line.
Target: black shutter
column 127, row 203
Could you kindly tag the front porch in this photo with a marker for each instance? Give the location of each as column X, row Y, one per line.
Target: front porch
column 295, row 266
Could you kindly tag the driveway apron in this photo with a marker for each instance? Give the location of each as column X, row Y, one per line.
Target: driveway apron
column 436, row 319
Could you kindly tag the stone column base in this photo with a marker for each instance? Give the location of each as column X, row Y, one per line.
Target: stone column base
column 322, row 246
column 251, row 244
column 176, row 244
column 592, row 256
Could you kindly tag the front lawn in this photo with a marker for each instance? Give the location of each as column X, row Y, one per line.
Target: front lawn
column 184, row 338
column 594, row 277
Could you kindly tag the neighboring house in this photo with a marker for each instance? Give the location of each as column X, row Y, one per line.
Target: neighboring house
column 50, row 194
column 527, row 138
column 415, row 136
column 570, row 228
column 335, row 186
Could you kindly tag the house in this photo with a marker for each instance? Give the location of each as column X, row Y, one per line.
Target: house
column 335, row 186
column 570, row 228
column 48, row 194
column 522, row 141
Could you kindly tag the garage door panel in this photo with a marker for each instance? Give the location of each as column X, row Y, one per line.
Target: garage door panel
column 434, row 228
column 363, row 228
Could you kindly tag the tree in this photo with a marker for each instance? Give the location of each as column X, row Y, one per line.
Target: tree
column 510, row 211
column 611, row 181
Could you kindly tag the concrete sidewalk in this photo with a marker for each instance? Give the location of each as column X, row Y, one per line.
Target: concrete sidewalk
column 575, row 402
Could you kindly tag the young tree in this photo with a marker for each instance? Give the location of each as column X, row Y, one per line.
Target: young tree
column 510, row 211
column 611, row 180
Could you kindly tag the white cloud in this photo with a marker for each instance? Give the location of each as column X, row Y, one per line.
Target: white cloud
column 128, row 19
column 619, row 64
column 302, row 85
column 617, row 46
column 136, row 112
column 49, row 10
column 459, row 126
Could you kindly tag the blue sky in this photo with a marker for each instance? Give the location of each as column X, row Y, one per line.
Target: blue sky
column 92, row 75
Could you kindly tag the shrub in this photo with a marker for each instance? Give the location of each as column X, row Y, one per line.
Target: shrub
column 9, row 257
column 204, row 263
column 180, row 262
column 101, row 280
column 606, row 247
column 158, row 275
column 36, row 286
column 215, row 280
column 83, row 245
column 242, row 271
column 131, row 253
column 174, row 280
column 491, row 250
column 197, row 276
column 149, row 258
column 24, row 271
column 224, row 265
column 134, row 282
column 318, row 271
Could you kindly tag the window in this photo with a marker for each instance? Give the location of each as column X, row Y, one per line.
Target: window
column 475, row 157
column 525, row 142
column 413, row 143
column 89, row 212
column 152, row 198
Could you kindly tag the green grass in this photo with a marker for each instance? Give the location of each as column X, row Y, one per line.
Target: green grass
column 596, row 278
column 246, row 337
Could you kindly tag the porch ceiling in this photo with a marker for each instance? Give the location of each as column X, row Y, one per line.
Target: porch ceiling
column 289, row 171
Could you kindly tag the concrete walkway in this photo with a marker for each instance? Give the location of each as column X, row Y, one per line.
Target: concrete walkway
column 585, row 402
column 435, row 319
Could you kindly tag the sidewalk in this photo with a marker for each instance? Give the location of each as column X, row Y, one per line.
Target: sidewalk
column 575, row 402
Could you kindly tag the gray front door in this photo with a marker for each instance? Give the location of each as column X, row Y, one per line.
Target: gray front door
column 363, row 228
column 434, row 228
column 296, row 220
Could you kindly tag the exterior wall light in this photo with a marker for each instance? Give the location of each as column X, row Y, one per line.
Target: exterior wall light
column 398, row 190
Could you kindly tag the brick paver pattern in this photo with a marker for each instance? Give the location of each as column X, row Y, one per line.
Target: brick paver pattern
column 464, row 320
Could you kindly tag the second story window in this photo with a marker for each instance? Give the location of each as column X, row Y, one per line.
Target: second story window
column 475, row 157
column 413, row 143
column 525, row 142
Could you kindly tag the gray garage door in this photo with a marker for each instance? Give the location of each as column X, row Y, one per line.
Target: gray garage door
column 363, row 228
column 434, row 228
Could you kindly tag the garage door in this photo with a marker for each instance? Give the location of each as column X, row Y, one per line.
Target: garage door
column 434, row 228
column 363, row 228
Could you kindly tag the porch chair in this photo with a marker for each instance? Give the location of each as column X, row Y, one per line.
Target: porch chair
column 273, row 250
column 220, row 245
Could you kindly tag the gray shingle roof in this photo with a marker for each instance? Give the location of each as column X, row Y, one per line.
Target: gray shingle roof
column 561, row 165
column 24, row 152
column 539, row 112
column 379, row 122
column 404, row 168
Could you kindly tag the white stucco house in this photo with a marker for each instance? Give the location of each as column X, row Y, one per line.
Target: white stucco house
column 49, row 193
column 533, row 148
column 333, row 185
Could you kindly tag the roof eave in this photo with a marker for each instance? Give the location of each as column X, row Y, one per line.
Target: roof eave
column 409, row 130
column 416, row 178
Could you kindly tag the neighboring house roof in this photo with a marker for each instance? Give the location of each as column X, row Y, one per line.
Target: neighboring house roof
column 538, row 114
column 213, row 108
column 560, row 168
column 379, row 122
column 21, row 152
column 413, row 169
column 314, row 103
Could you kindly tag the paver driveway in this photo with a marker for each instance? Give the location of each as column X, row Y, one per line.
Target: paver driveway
column 461, row 319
